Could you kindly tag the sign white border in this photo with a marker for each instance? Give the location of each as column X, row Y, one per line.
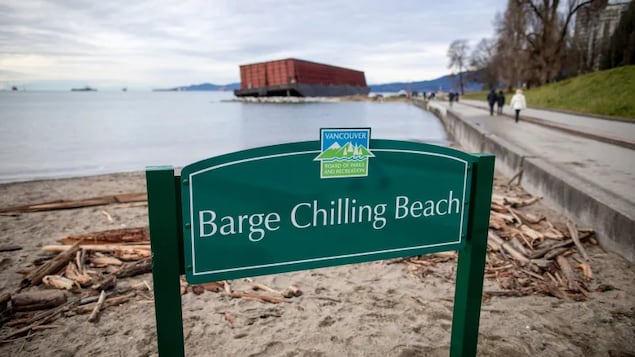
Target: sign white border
column 191, row 203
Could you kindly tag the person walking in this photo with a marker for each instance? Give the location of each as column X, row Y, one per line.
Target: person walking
column 491, row 99
column 518, row 102
column 500, row 100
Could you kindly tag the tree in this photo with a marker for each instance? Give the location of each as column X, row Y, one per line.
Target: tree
column 512, row 57
column 457, row 53
column 546, row 35
column 533, row 45
column 484, row 61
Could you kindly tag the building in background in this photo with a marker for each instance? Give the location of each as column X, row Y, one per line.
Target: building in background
column 594, row 26
column 299, row 78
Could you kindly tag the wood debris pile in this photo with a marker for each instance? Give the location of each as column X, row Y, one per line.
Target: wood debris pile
column 86, row 274
column 528, row 255
column 79, row 276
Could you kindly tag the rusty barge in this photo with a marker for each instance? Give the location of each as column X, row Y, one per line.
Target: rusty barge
column 299, row 78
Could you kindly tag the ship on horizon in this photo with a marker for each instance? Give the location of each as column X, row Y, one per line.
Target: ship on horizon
column 84, row 89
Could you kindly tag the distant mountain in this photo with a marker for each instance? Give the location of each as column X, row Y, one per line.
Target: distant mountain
column 444, row 83
column 204, row 87
column 210, row 86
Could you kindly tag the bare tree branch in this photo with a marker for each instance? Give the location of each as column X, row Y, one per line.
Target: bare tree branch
column 573, row 8
column 457, row 53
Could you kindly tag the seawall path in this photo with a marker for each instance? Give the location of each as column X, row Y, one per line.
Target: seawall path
column 589, row 180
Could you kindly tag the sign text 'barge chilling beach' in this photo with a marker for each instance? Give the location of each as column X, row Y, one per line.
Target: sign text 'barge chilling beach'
column 344, row 199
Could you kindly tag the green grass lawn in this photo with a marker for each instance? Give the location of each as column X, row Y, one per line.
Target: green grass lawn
column 607, row 93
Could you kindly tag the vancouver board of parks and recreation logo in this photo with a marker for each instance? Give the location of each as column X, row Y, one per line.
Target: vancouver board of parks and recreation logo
column 344, row 152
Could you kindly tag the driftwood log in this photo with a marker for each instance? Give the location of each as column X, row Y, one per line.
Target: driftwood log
column 94, row 315
column 51, row 267
column 104, row 248
column 40, row 319
column 127, row 270
column 87, row 202
column 264, row 298
column 108, row 302
column 289, row 292
column 497, row 243
column 37, row 300
column 567, row 271
column 135, row 268
column 573, row 231
column 108, row 283
column 123, row 235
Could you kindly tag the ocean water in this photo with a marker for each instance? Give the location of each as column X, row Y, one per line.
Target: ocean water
column 66, row 134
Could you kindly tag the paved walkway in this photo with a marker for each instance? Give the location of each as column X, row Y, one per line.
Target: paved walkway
column 606, row 166
column 611, row 130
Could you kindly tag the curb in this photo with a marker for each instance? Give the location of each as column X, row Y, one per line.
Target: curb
column 596, row 116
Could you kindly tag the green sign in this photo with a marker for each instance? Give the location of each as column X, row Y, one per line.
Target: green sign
column 273, row 209
column 340, row 200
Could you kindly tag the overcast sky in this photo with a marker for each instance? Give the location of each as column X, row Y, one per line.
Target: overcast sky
column 55, row 44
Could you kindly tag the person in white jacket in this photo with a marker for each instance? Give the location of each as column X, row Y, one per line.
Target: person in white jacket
column 518, row 102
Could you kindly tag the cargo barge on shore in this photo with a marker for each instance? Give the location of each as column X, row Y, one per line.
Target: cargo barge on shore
column 299, row 78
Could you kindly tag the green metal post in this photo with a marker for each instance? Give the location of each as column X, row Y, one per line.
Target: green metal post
column 471, row 265
column 164, row 232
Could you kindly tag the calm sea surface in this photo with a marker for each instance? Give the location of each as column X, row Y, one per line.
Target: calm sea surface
column 64, row 134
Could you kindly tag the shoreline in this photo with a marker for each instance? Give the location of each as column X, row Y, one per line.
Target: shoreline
column 379, row 98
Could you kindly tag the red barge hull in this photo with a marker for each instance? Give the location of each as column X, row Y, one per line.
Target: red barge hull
column 299, row 78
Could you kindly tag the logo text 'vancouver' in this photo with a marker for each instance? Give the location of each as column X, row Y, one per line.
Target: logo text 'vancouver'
column 345, row 152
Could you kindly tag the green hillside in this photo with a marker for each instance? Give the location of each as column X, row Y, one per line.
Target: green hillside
column 607, row 93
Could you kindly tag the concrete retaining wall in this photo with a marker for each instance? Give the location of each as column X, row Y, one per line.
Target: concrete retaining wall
column 587, row 204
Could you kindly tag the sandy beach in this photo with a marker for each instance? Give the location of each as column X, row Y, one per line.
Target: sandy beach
column 382, row 308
